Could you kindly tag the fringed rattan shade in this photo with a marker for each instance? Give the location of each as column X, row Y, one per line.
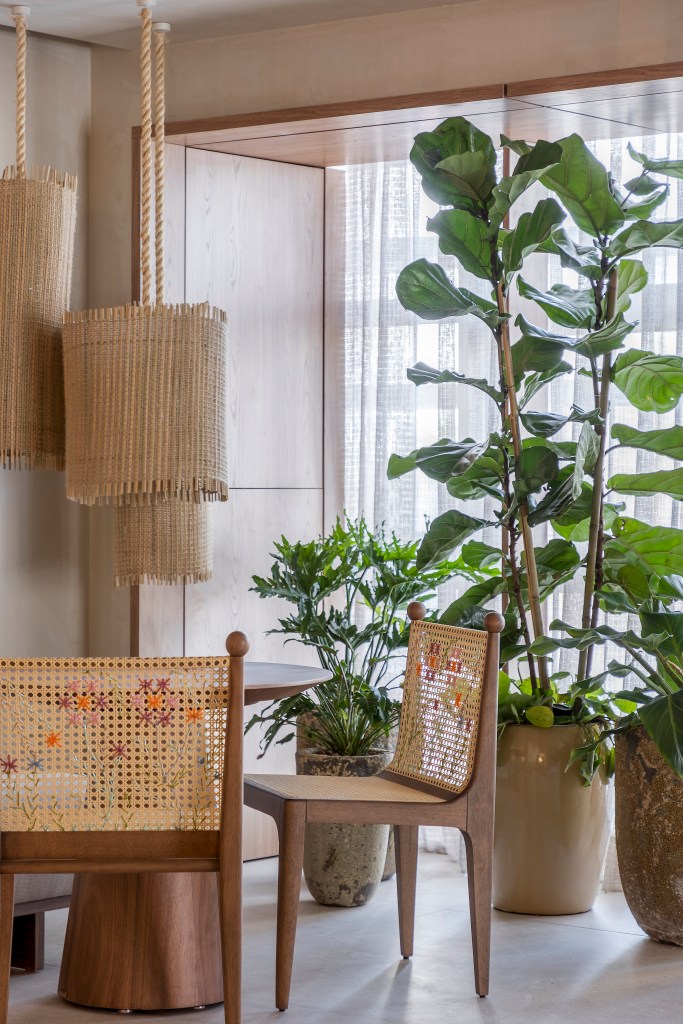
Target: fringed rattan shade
column 145, row 390
column 37, row 225
column 168, row 542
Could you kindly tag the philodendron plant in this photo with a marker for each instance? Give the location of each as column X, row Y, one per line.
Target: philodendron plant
column 535, row 481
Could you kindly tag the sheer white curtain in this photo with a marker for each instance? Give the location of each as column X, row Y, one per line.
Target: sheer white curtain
column 385, row 215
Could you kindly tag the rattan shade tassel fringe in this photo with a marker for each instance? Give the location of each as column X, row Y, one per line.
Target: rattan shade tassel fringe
column 145, row 385
column 170, row 542
column 37, row 226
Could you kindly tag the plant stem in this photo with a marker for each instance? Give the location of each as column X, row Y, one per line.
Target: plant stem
column 527, row 537
column 594, row 557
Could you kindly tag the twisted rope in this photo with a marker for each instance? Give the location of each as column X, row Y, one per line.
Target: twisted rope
column 20, row 22
column 159, row 132
column 146, row 152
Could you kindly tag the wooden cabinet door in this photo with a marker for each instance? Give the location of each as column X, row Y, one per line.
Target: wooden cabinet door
column 254, row 247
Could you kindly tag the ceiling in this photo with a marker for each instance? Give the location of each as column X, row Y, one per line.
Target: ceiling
column 114, row 22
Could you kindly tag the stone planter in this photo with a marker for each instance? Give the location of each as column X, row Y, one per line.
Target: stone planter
column 551, row 832
column 388, row 743
column 649, row 803
column 343, row 864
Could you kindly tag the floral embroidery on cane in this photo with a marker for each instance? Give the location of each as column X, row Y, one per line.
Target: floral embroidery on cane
column 54, row 739
column 9, row 764
column 118, row 750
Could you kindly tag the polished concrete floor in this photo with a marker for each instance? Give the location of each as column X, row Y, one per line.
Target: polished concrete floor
column 347, row 970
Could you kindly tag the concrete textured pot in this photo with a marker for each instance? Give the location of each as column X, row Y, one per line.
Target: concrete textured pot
column 387, row 743
column 551, row 832
column 343, row 864
column 649, row 803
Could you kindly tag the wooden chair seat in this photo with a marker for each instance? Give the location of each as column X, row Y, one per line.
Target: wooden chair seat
column 443, row 773
column 374, row 789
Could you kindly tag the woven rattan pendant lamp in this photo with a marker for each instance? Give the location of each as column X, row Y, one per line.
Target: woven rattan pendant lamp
column 167, row 541
column 37, row 224
column 145, row 384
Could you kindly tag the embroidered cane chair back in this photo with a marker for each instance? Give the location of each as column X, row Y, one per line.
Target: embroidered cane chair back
column 112, row 744
column 441, row 702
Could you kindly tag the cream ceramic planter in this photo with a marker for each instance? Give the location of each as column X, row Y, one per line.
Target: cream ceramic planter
column 343, row 864
column 649, row 799
column 551, row 832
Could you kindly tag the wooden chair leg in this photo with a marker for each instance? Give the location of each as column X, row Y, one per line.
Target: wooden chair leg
column 230, row 912
column 292, row 829
column 28, row 942
column 6, row 921
column 479, row 881
column 405, row 837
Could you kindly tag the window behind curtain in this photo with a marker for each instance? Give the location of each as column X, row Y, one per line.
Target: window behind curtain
column 385, row 215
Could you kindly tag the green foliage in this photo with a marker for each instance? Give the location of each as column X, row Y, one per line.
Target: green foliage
column 326, row 581
column 629, row 566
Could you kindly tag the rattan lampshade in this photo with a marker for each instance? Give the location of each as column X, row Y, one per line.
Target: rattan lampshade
column 145, row 384
column 168, row 542
column 37, row 225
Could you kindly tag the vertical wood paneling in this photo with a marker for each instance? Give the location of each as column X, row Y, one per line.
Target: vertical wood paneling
column 255, row 248
column 335, row 281
column 244, row 530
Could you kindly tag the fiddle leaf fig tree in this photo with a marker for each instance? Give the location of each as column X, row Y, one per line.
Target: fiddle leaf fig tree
column 532, row 478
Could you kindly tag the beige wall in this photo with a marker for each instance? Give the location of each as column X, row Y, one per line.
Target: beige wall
column 43, row 555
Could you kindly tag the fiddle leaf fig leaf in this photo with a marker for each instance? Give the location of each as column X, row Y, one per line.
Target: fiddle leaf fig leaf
column 653, row 383
column 659, row 547
column 421, row 373
column 671, row 168
column 452, row 137
column 424, row 288
column 438, row 461
column 531, row 231
column 465, row 237
column 663, row 719
column 459, row 613
column 632, row 278
column 535, row 468
column 445, row 533
column 584, row 259
column 532, row 166
column 582, row 183
column 646, row 235
column 535, row 382
column 587, row 449
column 478, row 555
column 665, row 481
column 545, row 424
column 663, row 442
column 566, row 306
column 471, row 173
column 596, row 343
column 481, row 478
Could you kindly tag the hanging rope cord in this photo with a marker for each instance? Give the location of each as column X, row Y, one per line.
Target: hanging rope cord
column 146, row 152
column 160, row 31
column 19, row 15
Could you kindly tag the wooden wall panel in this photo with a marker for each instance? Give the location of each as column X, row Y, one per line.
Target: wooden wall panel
column 254, row 247
column 244, row 530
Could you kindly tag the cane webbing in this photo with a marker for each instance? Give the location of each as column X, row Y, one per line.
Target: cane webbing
column 145, row 390
column 112, row 743
column 37, row 225
column 441, row 700
column 168, row 542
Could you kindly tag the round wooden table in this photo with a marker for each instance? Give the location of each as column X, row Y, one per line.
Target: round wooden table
column 152, row 941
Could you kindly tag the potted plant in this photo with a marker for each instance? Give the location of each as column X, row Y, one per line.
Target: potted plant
column 349, row 591
column 537, row 481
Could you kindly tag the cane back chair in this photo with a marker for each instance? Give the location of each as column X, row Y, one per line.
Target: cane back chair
column 124, row 765
column 443, row 773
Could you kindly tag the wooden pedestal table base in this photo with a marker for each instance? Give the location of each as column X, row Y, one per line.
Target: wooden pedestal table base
column 152, row 942
column 142, row 942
